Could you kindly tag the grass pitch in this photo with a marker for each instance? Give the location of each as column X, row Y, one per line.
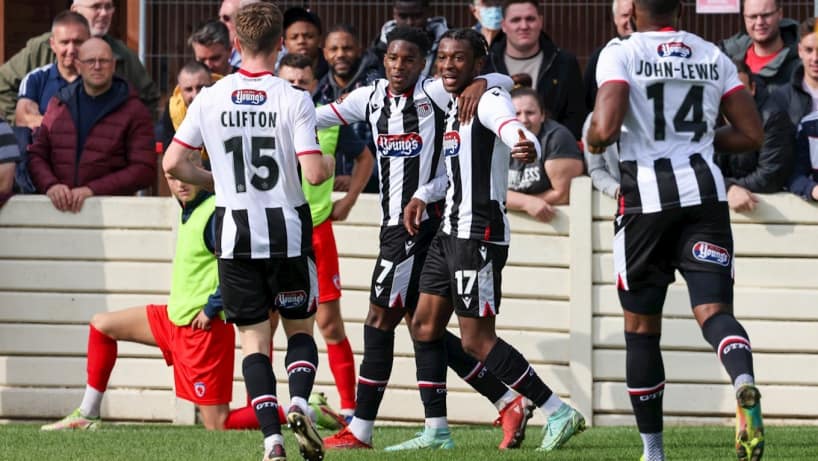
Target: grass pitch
column 474, row 443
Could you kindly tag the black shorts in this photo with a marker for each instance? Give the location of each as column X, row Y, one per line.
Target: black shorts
column 468, row 272
column 251, row 288
column 397, row 269
column 648, row 248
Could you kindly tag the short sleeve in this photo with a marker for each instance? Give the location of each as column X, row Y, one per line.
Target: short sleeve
column 434, row 89
column 305, row 138
column 613, row 64
column 352, row 109
column 561, row 144
column 731, row 81
column 189, row 133
column 30, row 85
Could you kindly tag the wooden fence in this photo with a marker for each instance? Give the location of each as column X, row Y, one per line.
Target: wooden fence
column 560, row 309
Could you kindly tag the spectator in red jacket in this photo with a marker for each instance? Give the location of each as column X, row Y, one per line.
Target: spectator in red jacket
column 96, row 137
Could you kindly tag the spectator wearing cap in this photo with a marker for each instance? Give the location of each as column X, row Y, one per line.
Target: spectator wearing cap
column 412, row 13
column 302, row 35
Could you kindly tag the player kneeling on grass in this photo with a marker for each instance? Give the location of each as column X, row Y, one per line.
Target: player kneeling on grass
column 189, row 330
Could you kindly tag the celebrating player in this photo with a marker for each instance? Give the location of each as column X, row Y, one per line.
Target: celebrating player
column 406, row 113
column 258, row 128
column 462, row 272
column 673, row 211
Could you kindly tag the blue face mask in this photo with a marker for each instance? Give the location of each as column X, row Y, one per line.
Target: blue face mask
column 491, row 17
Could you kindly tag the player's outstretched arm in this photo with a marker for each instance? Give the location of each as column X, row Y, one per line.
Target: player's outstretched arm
column 745, row 132
column 609, row 112
column 179, row 164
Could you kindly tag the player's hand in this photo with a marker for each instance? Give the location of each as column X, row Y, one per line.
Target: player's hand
column 78, row 196
column 413, row 214
column 60, row 196
column 341, row 208
column 539, row 209
column 468, row 99
column 524, row 150
column 342, row 183
column 740, row 199
column 593, row 149
column 201, row 322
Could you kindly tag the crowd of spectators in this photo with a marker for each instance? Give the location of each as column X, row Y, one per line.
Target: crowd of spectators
column 81, row 124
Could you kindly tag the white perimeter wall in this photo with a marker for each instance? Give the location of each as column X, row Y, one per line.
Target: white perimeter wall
column 560, row 309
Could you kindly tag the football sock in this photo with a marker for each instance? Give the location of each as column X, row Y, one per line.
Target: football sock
column 551, row 405
column 241, row 418
column 270, row 441
column 471, row 370
column 301, row 361
column 101, row 359
column 507, row 364
column 362, row 429
column 261, row 387
column 430, row 359
column 731, row 344
column 440, row 422
column 342, row 365
column 653, row 447
column 505, row 399
column 245, row 418
column 376, row 367
column 91, row 401
column 645, row 378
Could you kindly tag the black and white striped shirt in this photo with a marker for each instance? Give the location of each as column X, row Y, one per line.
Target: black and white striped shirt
column 408, row 133
column 677, row 81
column 254, row 127
column 477, row 160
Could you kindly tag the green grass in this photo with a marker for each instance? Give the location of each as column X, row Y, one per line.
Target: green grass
column 474, row 443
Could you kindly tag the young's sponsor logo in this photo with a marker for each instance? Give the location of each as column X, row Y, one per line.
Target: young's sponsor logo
column 451, row 143
column 709, row 253
column 400, row 145
column 674, row 49
column 290, row 299
column 248, row 97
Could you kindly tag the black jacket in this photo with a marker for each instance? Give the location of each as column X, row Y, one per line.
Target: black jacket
column 559, row 82
column 768, row 169
column 792, row 98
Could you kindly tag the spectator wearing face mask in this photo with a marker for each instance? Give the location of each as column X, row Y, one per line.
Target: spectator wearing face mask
column 489, row 15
